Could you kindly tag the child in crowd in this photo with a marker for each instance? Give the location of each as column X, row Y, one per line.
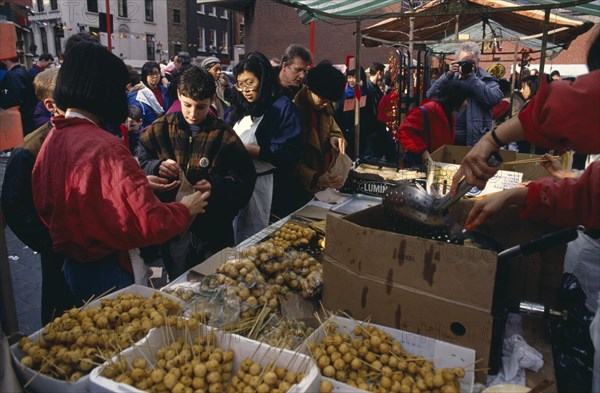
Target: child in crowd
column 211, row 156
column 132, row 128
column 44, row 84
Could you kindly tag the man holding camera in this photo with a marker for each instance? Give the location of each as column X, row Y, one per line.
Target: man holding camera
column 474, row 121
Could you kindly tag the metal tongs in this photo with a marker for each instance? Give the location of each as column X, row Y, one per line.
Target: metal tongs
column 415, row 212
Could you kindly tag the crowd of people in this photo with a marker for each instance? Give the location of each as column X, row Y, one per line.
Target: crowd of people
column 209, row 160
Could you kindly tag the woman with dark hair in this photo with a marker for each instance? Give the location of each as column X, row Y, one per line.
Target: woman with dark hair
column 151, row 77
column 138, row 94
column 88, row 189
column 270, row 128
column 432, row 125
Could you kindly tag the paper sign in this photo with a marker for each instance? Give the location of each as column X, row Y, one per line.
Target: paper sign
column 8, row 41
column 350, row 103
column 439, row 180
column 11, row 129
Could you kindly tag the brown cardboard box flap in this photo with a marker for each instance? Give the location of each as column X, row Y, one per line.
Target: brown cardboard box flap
column 360, row 244
column 398, row 308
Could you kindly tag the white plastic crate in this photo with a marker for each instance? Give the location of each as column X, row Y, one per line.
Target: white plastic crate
column 444, row 355
column 241, row 346
column 43, row 383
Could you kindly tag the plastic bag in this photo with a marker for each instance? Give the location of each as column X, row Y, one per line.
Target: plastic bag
column 572, row 346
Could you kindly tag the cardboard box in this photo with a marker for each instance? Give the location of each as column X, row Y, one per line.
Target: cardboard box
column 447, row 159
column 443, row 291
column 443, row 355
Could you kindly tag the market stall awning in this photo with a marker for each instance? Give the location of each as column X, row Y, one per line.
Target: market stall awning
column 309, row 10
column 439, row 32
column 591, row 8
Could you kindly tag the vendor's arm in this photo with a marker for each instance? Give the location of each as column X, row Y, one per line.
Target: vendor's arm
column 565, row 115
column 566, row 203
column 474, row 165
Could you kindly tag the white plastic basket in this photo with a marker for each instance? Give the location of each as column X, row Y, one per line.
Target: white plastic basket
column 444, row 355
column 241, row 346
column 44, row 383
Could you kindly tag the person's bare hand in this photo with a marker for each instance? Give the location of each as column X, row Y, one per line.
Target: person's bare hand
column 555, row 169
column 454, row 68
column 338, row 144
column 196, row 202
column 327, row 181
column 474, row 166
column 160, row 184
column 169, row 169
column 202, row 186
column 487, row 207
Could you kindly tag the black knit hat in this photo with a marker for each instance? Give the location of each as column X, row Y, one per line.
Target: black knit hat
column 326, row 81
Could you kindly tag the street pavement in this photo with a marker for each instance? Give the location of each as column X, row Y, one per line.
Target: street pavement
column 26, row 273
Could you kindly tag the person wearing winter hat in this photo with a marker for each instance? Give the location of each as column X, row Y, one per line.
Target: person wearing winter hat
column 322, row 136
column 220, row 105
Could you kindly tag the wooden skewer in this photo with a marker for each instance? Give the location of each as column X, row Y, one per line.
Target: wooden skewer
column 530, row 160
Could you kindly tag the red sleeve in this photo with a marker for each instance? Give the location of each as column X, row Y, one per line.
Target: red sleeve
column 138, row 217
column 384, row 108
column 566, row 203
column 410, row 131
column 565, row 115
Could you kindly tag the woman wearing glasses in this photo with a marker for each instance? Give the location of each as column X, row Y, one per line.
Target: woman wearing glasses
column 269, row 126
column 152, row 78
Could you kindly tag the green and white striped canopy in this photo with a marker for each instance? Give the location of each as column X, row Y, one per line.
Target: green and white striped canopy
column 309, row 10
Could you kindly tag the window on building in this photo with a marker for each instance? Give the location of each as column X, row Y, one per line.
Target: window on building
column 224, row 44
column 201, row 40
column 201, row 9
column 176, row 16
column 212, row 41
column 177, row 48
column 224, row 14
column 53, row 5
column 40, row 5
column 44, row 37
column 92, row 5
column 122, row 8
column 213, row 11
column 149, row 7
column 150, row 54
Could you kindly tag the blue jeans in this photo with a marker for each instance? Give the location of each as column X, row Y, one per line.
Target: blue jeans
column 95, row 278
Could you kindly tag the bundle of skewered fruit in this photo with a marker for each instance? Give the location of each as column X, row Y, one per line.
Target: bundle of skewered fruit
column 292, row 235
column 76, row 342
column 296, row 270
column 191, row 360
column 370, row 359
column 284, row 333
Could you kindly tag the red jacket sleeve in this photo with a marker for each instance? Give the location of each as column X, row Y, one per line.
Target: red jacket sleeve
column 410, row 131
column 566, row 203
column 565, row 115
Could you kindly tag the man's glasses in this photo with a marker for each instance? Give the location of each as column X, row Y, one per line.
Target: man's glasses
column 246, row 86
